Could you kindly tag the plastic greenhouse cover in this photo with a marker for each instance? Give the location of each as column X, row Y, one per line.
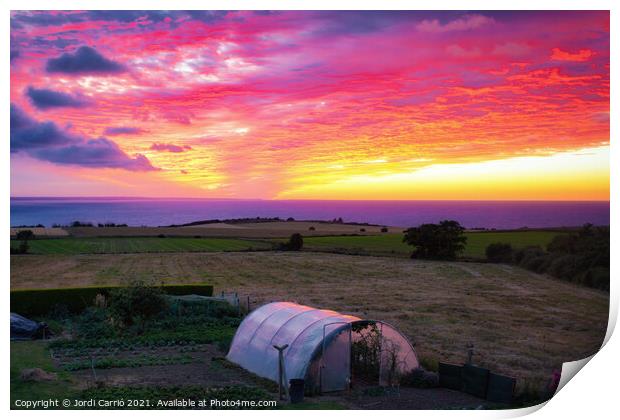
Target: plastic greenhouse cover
column 279, row 323
column 299, row 326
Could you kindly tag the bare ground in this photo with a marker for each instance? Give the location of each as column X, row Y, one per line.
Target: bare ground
column 521, row 324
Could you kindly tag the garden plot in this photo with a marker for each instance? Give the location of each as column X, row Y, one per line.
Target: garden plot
column 176, row 365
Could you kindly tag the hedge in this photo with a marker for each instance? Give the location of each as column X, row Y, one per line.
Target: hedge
column 76, row 299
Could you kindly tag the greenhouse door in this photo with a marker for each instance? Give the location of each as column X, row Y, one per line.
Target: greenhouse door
column 336, row 360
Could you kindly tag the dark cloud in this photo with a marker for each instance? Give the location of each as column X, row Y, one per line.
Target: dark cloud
column 14, row 55
column 117, row 131
column 46, row 141
column 46, row 99
column 129, row 15
column 19, row 19
column 85, row 60
column 96, row 153
column 28, row 134
column 206, row 16
column 168, row 147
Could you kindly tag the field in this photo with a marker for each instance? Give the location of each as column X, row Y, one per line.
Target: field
column 520, row 323
column 236, row 230
column 38, row 231
column 392, row 243
column 380, row 244
column 107, row 245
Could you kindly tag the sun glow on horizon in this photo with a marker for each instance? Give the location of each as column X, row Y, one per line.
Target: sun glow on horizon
column 311, row 105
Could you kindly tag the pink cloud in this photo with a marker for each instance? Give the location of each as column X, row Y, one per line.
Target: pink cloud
column 581, row 55
column 461, row 24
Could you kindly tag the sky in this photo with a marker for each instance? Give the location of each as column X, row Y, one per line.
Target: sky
column 311, row 105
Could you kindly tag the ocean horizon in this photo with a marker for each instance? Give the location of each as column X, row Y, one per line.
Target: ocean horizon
column 147, row 211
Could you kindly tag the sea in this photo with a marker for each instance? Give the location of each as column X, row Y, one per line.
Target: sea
column 30, row 211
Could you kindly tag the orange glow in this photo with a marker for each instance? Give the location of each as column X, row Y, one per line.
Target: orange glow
column 321, row 105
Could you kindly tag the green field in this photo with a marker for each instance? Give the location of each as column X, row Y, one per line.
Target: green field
column 126, row 245
column 393, row 243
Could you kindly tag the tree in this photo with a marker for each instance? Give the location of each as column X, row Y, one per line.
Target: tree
column 296, row 242
column 24, row 235
column 443, row 241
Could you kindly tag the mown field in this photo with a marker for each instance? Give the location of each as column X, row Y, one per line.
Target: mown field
column 137, row 244
column 393, row 243
column 521, row 323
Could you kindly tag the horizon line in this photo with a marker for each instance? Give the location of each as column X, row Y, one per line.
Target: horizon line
column 297, row 199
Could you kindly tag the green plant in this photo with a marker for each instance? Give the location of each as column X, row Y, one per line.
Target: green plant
column 93, row 323
column 115, row 362
column 499, row 252
column 366, row 350
column 136, row 304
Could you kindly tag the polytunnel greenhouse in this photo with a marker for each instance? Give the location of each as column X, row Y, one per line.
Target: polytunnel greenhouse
column 329, row 350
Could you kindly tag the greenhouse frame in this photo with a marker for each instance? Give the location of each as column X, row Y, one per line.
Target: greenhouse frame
column 329, row 350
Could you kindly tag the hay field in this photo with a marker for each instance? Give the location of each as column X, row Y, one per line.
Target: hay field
column 109, row 245
column 236, row 230
column 521, row 324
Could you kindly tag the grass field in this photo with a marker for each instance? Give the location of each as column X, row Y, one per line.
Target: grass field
column 393, row 243
column 521, row 323
column 380, row 245
column 146, row 244
column 28, row 355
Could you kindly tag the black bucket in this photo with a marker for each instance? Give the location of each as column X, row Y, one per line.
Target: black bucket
column 296, row 390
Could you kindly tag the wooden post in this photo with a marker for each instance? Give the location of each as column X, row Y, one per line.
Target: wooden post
column 282, row 372
column 470, row 353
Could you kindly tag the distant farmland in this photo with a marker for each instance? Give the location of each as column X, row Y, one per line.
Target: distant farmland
column 382, row 245
column 108, row 245
column 393, row 243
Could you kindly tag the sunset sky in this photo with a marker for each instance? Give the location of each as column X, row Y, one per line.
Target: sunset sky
column 311, row 105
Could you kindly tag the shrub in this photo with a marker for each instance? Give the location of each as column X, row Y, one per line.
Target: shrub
column 582, row 257
column 527, row 253
column 311, row 228
column 499, row 252
column 384, row 229
column 92, row 323
column 597, row 277
column 362, row 230
column 295, row 242
column 562, row 266
column 136, row 304
column 21, row 249
column 24, row 235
